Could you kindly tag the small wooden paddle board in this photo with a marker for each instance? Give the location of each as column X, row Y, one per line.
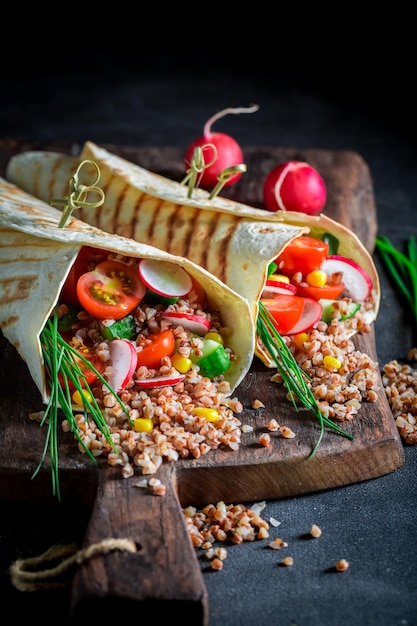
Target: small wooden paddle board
column 164, row 571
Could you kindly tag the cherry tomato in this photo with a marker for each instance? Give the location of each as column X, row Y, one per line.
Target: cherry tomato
column 304, row 254
column 162, row 344
column 89, row 376
column 286, row 310
column 111, row 291
column 86, row 260
column 330, row 292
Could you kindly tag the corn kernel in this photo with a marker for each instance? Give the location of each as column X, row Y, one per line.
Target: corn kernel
column 280, row 278
column 299, row 340
column 214, row 337
column 142, row 425
column 330, row 361
column 316, row 278
column 211, row 415
column 181, row 363
column 80, row 398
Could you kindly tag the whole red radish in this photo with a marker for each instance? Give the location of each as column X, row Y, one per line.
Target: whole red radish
column 219, row 151
column 294, row 186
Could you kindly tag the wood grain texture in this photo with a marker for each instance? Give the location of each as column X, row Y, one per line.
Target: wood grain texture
column 165, row 568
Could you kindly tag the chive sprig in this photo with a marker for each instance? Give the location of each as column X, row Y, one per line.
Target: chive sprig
column 402, row 268
column 65, row 376
column 295, row 379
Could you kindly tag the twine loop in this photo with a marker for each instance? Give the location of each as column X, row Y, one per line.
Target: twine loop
column 31, row 575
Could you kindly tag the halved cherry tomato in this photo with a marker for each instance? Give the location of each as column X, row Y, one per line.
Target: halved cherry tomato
column 89, row 376
column 286, row 310
column 111, row 291
column 330, row 292
column 86, row 260
column 162, row 344
column 304, row 254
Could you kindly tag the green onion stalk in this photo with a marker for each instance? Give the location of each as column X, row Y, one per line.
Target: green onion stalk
column 402, row 269
column 65, row 376
column 295, row 379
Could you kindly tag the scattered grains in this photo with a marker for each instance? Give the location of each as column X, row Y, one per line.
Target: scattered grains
column 37, row 416
column 220, row 553
column 246, row 428
column 263, row 533
column 315, row 531
column 278, row 544
column 288, row 561
column 232, row 523
column 342, row 565
column 257, row 404
column 156, row 487
column 273, row 425
column 153, row 486
column 258, row 507
column 287, row 433
column 142, row 483
column 274, row 522
column 400, row 386
column 265, row 440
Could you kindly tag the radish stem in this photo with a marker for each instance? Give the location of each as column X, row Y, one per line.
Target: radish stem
column 207, row 127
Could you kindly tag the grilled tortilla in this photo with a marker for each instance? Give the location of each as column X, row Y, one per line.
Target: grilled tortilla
column 36, row 257
column 231, row 240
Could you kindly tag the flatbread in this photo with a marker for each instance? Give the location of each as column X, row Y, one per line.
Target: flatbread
column 233, row 241
column 36, row 257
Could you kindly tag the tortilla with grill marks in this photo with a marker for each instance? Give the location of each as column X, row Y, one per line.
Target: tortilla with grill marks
column 36, row 257
column 233, row 241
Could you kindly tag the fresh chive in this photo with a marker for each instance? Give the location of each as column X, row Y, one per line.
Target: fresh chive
column 295, row 379
column 62, row 368
column 402, row 268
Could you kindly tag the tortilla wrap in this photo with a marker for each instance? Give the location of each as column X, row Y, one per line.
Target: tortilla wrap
column 233, row 241
column 36, row 257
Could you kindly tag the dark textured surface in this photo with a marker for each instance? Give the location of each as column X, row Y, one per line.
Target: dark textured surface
column 146, row 100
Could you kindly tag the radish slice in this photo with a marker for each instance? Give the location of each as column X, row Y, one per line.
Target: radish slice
column 165, row 278
column 274, row 287
column 160, row 381
column 358, row 283
column 123, row 360
column 194, row 323
column 311, row 315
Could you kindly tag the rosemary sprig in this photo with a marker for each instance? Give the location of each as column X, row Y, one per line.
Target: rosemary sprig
column 62, row 368
column 295, row 379
column 402, row 267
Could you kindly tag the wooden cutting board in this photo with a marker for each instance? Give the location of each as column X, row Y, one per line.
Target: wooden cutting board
column 165, row 572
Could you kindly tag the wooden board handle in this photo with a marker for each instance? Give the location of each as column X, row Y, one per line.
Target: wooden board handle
column 164, row 572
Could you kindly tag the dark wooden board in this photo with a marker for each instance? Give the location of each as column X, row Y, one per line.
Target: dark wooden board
column 166, row 562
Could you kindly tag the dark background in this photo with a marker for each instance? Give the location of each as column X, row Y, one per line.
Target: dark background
column 345, row 88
